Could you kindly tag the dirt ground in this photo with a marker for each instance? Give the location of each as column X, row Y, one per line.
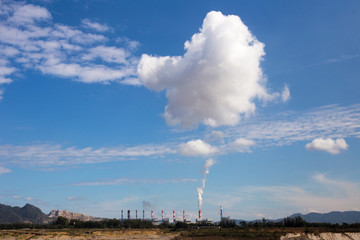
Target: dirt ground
column 26, row 234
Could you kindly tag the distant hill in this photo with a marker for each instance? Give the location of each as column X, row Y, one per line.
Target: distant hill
column 71, row 215
column 26, row 214
column 32, row 214
column 331, row 217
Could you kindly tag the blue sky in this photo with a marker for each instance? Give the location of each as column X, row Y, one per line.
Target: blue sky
column 176, row 105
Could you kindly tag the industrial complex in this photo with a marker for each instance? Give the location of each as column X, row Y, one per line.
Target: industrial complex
column 175, row 219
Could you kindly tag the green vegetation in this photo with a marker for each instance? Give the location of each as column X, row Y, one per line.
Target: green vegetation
column 247, row 228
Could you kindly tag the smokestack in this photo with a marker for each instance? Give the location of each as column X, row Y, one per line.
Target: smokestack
column 162, row 215
column 184, row 216
column 122, row 214
column 221, row 213
column 174, row 216
column 152, row 214
column 143, row 214
column 128, row 214
column 200, row 215
column 136, row 214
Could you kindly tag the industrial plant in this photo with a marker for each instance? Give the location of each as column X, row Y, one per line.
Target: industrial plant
column 181, row 218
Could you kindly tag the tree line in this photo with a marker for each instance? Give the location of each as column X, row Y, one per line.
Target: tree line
column 62, row 222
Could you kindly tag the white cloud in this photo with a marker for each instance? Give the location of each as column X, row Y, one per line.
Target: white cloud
column 28, row 14
column 328, row 145
column 72, row 198
column 217, row 79
column 4, row 71
column 285, row 128
column 343, row 58
column 55, row 155
column 87, row 23
column 242, row 145
column 123, row 181
column 321, row 195
column 8, row 51
column 196, row 148
column 269, row 130
column 86, row 74
column 130, row 43
column 31, row 41
column 4, row 170
column 1, row 93
column 285, row 95
column 107, row 54
column 218, row 135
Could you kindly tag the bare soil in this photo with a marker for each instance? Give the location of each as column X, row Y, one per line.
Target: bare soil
column 82, row 234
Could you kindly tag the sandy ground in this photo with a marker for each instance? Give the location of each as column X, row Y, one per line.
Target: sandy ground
column 84, row 234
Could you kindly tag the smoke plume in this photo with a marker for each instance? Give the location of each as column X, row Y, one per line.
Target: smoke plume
column 147, row 205
column 205, row 171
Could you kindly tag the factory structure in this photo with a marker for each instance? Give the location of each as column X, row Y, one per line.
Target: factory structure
column 173, row 220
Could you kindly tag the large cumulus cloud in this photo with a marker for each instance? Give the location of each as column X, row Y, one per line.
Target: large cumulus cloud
column 217, row 79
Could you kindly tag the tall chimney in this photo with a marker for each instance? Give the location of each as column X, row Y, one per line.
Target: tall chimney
column 128, row 214
column 174, row 216
column 221, row 213
column 122, row 214
column 136, row 214
column 184, row 216
column 162, row 215
column 152, row 214
column 200, row 215
column 143, row 214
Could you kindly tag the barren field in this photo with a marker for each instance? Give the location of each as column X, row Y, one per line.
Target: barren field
column 194, row 234
column 68, row 234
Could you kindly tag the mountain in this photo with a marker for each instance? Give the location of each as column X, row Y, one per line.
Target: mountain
column 70, row 215
column 27, row 214
column 331, row 217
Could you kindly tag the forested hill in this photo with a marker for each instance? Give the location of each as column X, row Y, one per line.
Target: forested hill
column 27, row 214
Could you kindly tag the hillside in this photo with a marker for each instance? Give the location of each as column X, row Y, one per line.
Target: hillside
column 70, row 215
column 331, row 217
column 28, row 214
column 348, row 217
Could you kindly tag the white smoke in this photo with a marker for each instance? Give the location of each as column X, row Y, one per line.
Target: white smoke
column 205, row 170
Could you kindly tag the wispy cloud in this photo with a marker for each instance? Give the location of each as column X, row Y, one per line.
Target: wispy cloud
column 343, row 58
column 324, row 195
column 27, row 199
column 285, row 128
column 55, row 155
column 4, row 170
column 271, row 130
column 72, row 198
column 25, row 14
column 90, row 24
column 124, row 181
